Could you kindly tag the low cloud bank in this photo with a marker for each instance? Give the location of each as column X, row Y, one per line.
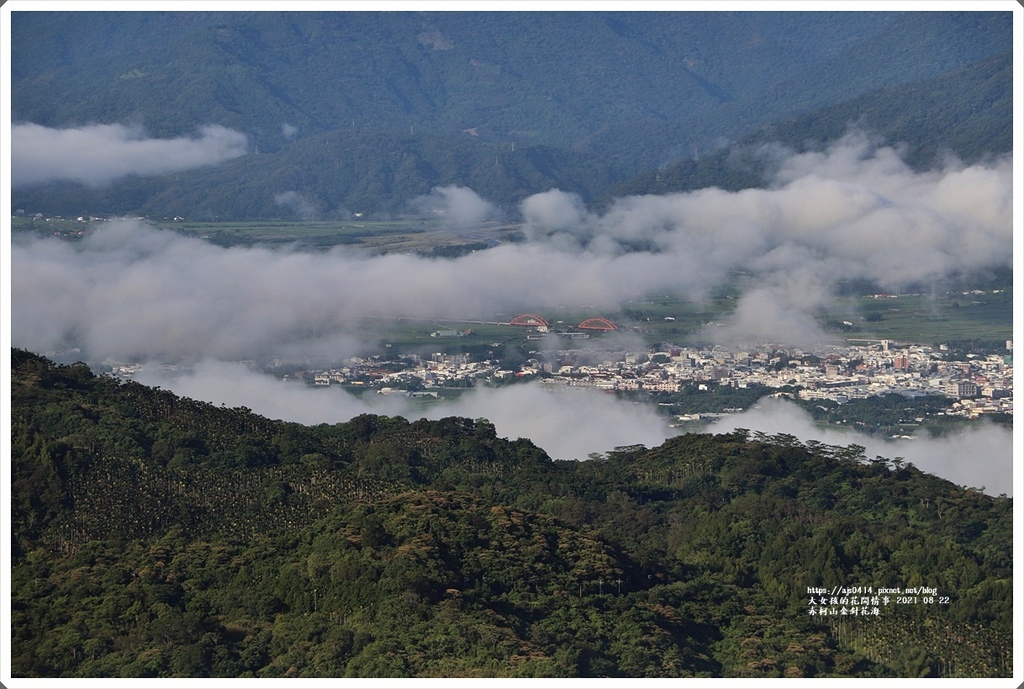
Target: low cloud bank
column 572, row 424
column 853, row 211
column 455, row 207
column 97, row 154
column 979, row 457
column 130, row 292
column 140, row 291
column 567, row 424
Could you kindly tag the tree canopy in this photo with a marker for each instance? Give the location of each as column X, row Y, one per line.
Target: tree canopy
column 157, row 536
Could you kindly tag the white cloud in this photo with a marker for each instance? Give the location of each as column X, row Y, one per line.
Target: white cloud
column 572, row 424
column 567, row 424
column 553, row 211
column 455, row 207
column 97, row 154
column 980, row 457
column 140, row 291
column 848, row 212
column 303, row 206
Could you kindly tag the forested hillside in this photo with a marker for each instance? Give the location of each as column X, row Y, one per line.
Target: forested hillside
column 964, row 113
column 158, row 536
column 556, row 78
column 337, row 173
column 363, row 111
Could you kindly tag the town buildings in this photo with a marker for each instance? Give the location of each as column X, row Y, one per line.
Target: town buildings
column 982, row 384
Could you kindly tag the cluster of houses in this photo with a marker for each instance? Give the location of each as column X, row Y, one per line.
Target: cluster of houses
column 411, row 372
column 975, row 385
column 978, row 385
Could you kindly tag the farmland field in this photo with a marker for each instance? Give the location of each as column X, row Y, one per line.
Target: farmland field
column 408, row 235
column 654, row 320
column 376, row 236
column 954, row 315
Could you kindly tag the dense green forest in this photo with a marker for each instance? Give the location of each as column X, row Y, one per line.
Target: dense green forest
column 156, row 536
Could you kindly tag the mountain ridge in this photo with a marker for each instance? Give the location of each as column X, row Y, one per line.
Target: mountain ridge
column 556, row 79
column 340, row 172
column 380, row 547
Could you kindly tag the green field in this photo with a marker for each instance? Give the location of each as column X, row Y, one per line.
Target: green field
column 912, row 318
column 405, row 236
column 414, row 334
column 409, row 235
column 929, row 319
column 317, row 233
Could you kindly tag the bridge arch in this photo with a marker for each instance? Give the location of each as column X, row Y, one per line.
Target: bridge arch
column 529, row 319
column 597, row 324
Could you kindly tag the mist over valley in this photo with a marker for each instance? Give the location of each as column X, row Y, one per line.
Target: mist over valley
column 393, row 343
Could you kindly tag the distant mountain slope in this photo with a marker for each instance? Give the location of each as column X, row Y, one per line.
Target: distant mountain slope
column 158, row 536
column 337, row 173
column 899, row 53
column 630, row 86
column 967, row 112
